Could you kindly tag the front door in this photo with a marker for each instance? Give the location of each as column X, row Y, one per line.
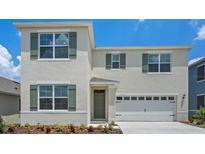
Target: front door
column 99, row 104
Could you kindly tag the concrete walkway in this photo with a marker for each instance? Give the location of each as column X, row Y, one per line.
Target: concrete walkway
column 159, row 128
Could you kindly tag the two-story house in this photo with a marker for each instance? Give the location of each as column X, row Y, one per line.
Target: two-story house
column 66, row 79
column 196, row 86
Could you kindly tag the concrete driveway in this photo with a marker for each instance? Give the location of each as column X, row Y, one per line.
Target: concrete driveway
column 159, row 128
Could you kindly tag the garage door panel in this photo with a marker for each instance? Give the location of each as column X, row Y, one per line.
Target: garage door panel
column 145, row 116
column 131, row 106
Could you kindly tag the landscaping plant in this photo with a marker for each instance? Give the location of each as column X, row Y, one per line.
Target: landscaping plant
column 2, row 126
column 199, row 117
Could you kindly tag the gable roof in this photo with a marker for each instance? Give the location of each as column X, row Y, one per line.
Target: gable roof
column 9, row 87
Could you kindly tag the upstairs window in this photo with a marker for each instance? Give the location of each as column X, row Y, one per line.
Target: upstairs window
column 159, row 63
column 115, row 61
column 54, row 45
column 200, row 73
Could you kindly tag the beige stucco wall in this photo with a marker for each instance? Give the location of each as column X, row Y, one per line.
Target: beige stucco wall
column 133, row 81
column 76, row 71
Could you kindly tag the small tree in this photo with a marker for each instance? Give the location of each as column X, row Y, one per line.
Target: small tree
column 199, row 117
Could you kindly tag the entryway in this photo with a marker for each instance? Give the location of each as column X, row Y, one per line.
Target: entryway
column 99, row 105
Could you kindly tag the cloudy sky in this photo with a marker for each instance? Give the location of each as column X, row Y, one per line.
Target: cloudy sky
column 112, row 33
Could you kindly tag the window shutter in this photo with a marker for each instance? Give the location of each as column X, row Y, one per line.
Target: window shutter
column 108, row 61
column 123, row 60
column 72, row 45
column 34, row 45
column 72, row 98
column 144, row 63
column 33, row 97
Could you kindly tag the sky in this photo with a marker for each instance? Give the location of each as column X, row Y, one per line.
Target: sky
column 111, row 32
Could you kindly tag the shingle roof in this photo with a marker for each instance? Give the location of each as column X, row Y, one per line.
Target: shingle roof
column 9, row 87
column 197, row 61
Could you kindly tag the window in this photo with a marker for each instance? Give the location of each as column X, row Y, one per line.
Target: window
column 133, row 98
column 200, row 73
column 148, row 98
column 141, row 98
column 116, row 61
column 200, row 101
column 53, row 97
column 171, row 98
column 54, row 45
column 156, row 98
column 126, row 98
column 61, row 97
column 119, row 98
column 163, row 98
column 45, row 97
column 159, row 63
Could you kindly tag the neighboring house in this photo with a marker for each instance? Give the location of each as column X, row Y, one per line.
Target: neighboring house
column 66, row 79
column 9, row 100
column 196, row 86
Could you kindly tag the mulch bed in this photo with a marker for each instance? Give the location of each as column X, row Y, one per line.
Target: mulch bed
column 190, row 123
column 57, row 129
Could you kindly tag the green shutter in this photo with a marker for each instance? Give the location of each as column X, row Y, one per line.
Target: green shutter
column 144, row 63
column 123, row 60
column 108, row 61
column 72, row 45
column 34, row 45
column 33, row 97
column 72, row 98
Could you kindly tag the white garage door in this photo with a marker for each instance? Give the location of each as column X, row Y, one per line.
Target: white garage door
column 145, row 108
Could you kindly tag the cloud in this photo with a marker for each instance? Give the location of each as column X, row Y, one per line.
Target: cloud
column 194, row 23
column 141, row 20
column 195, row 60
column 200, row 33
column 138, row 24
column 7, row 67
column 18, row 34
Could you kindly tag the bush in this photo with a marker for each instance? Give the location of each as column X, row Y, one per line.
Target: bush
column 91, row 128
column 113, row 123
column 2, row 126
column 199, row 117
column 82, row 127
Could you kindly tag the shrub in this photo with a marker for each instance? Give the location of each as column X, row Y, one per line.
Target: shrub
column 2, row 126
column 58, row 127
column 199, row 117
column 82, row 127
column 71, row 127
column 106, row 129
column 27, row 125
column 90, row 128
column 113, row 123
column 110, row 126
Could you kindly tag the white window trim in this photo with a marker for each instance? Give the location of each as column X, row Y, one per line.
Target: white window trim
column 115, row 61
column 159, row 62
column 197, row 73
column 53, row 45
column 53, row 98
